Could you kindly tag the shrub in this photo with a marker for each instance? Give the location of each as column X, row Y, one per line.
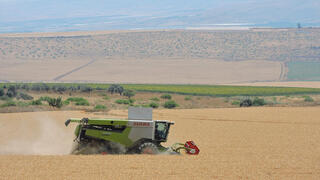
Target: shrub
column 246, row 102
column 128, row 93
column 79, row 101
column 154, row 105
column 12, row 92
column 100, row 88
column 114, row 88
column 100, row 107
column 166, row 96
column 105, row 97
column 66, row 103
column 308, row 99
column 36, row 102
column 1, row 92
column 24, row 96
column 170, row 104
column 22, row 104
column 59, row 88
column 187, row 98
column 86, row 89
column 155, row 99
column 122, row 101
column 55, row 102
column 9, row 103
column 40, row 87
column 44, row 98
column 235, row 103
column 131, row 101
column 25, row 87
column 258, row 102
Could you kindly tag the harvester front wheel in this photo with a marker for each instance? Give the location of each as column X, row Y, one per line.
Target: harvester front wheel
column 148, row 148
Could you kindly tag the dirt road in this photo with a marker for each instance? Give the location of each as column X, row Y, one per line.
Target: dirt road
column 247, row 143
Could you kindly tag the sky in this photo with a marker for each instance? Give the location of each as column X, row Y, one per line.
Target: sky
column 157, row 13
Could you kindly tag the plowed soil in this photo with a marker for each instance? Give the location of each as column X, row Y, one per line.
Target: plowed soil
column 235, row 143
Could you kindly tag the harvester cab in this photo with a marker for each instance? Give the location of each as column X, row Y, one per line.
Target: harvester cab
column 139, row 134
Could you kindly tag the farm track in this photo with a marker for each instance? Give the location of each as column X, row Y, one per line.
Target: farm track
column 73, row 70
column 236, row 143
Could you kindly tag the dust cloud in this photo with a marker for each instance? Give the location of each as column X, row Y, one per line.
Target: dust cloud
column 38, row 136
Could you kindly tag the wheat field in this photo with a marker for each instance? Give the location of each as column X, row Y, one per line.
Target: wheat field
column 235, row 143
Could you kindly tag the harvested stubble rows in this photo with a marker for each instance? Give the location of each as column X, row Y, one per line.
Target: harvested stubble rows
column 248, row 143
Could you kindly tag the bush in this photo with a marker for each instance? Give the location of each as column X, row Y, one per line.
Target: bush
column 308, row 99
column 40, row 87
column 105, row 97
column 12, row 92
column 25, row 87
column 114, row 88
column 128, row 93
column 100, row 88
column 36, row 102
column 59, row 88
column 86, row 89
column 170, row 104
column 24, row 96
column 235, row 103
column 258, row 102
column 44, row 98
column 100, row 107
column 9, row 103
column 154, row 105
column 55, row 102
column 66, row 103
column 79, row 101
column 246, row 103
column 22, row 104
column 1, row 92
column 155, row 99
column 187, row 98
column 122, row 101
column 166, row 96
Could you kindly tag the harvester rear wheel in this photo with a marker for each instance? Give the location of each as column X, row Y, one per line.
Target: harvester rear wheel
column 148, row 148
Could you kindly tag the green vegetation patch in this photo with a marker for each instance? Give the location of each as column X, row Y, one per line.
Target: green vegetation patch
column 124, row 101
column 201, row 90
column 100, row 107
column 170, row 104
column 78, row 101
column 154, row 105
column 9, row 103
column 308, row 99
column 166, row 96
column 304, row 71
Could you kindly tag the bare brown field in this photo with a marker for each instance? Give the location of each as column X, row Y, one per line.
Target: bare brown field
column 162, row 71
column 247, row 143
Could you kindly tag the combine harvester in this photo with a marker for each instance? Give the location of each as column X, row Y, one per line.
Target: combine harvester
column 137, row 135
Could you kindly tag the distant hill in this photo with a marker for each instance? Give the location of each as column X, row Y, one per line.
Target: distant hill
column 255, row 44
column 72, row 15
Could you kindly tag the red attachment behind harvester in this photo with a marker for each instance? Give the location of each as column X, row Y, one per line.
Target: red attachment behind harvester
column 191, row 148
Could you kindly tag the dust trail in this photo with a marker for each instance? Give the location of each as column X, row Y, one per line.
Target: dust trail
column 39, row 136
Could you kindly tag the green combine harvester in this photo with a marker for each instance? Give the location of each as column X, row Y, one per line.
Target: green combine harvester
column 137, row 135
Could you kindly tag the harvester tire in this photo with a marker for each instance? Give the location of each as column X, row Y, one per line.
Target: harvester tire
column 148, row 148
